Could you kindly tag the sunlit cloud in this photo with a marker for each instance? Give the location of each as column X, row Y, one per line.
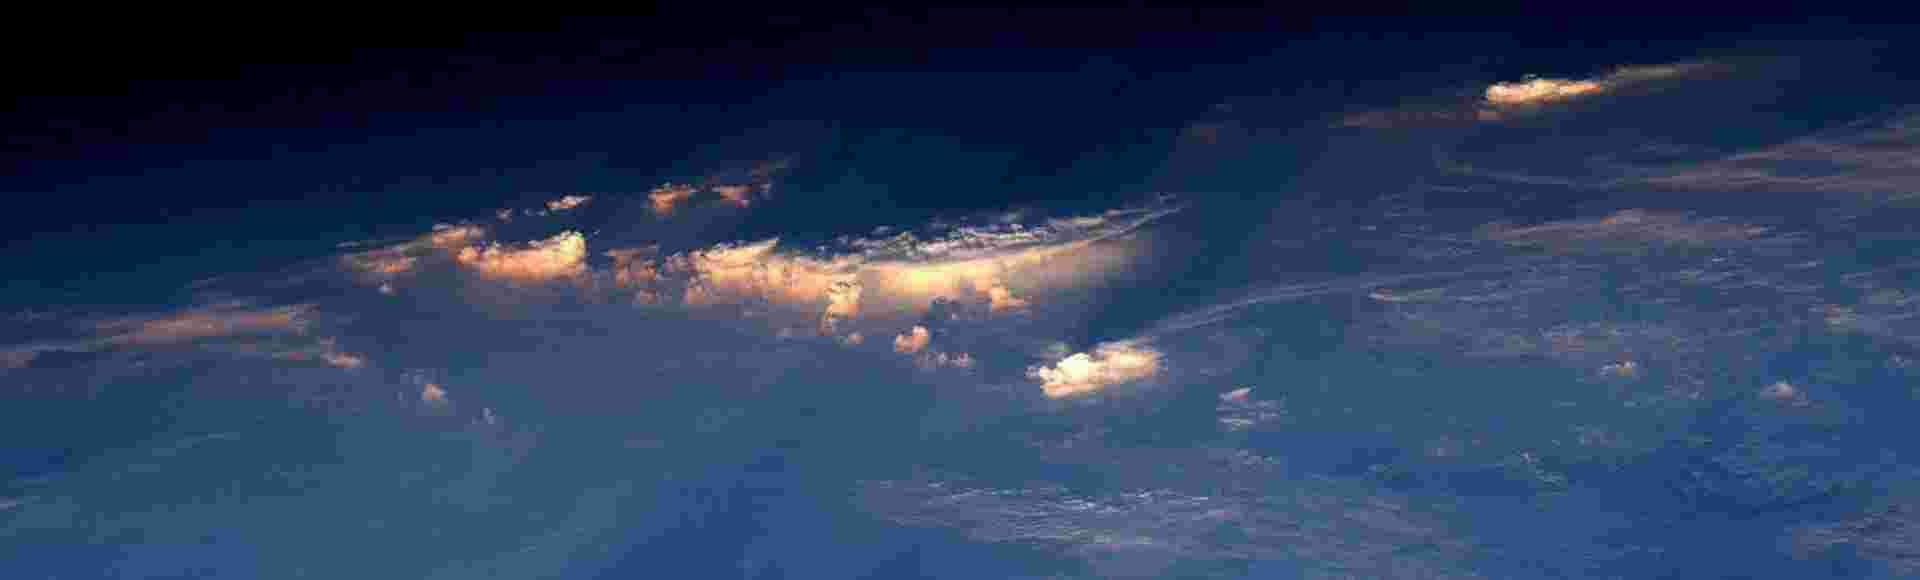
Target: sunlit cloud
column 208, row 322
column 382, row 265
column 343, row 360
column 1507, row 100
column 739, row 195
column 1106, row 365
column 843, row 303
column 912, row 341
column 666, row 198
column 1629, row 226
column 433, row 394
column 561, row 256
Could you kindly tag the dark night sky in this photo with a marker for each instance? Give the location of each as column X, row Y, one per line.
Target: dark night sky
column 132, row 148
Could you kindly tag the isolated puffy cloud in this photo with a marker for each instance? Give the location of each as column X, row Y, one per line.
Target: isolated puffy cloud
column 384, row 264
column 890, row 277
column 1106, row 365
column 739, row 195
column 433, row 394
column 668, row 197
column 912, row 341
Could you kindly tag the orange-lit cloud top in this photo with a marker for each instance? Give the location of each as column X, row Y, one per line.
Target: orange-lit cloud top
column 739, row 195
column 433, row 394
column 383, row 265
column 1108, row 364
column 561, row 256
column 1506, row 100
column 741, row 189
column 1004, row 268
column 1535, row 91
column 209, row 322
column 912, row 341
column 668, row 197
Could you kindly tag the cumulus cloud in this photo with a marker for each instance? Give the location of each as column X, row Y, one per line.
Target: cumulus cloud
column 912, row 341
column 890, row 277
column 843, row 303
column 1108, row 364
column 561, row 256
column 433, row 394
column 343, row 360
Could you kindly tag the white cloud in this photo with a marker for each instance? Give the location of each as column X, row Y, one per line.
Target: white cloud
column 1108, row 364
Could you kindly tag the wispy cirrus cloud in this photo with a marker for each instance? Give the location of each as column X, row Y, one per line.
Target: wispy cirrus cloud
column 562, row 256
column 1502, row 101
column 1632, row 227
column 206, row 322
column 1879, row 156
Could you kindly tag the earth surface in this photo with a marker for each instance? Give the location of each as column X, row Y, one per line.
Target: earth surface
column 1656, row 317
